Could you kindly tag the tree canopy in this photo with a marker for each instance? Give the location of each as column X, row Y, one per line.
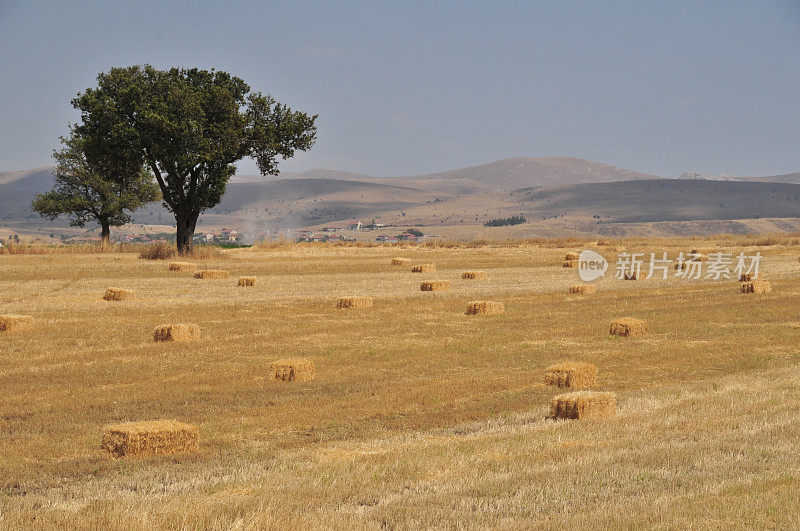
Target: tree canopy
column 87, row 192
column 190, row 126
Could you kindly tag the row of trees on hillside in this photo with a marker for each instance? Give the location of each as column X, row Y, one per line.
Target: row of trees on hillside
column 171, row 135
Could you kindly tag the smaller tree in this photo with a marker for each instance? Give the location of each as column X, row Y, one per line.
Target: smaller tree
column 87, row 193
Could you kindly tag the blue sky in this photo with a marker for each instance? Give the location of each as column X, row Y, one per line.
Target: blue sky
column 415, row 87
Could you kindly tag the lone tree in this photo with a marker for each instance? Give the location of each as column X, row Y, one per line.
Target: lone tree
column 94, row 192
column 190, row 126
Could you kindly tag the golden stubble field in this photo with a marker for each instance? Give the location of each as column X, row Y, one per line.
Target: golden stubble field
column 419, row 415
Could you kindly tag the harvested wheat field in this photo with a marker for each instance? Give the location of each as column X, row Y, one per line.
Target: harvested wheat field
column 417, row 416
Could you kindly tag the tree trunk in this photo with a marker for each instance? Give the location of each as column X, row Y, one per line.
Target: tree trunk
column 185, row 232
column 105, row 233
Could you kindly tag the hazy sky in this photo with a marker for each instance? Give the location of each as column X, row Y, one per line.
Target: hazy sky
column 415, row 87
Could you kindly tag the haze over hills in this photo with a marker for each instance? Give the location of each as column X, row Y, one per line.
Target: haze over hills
column 557, row 193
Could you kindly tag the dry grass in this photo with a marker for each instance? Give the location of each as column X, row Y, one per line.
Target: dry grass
column 629, row 327
column 211, row 274
column 118, row 294
column 485, row 308
column 156, row 437
column 755, row 286
column 576, row 375
column 178, row 333
column 246, row 281
column 583, row 404
column 435, row 285
column 419, row 416
column 474, row 275
column 400, row 261
column 293, row 370
column 354, row 302
column 182, row 266
column 423, row 268
column 582, row 289
column 158, row 251
column 16, row 323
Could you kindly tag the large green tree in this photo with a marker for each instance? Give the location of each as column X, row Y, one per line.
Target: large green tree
column 104, row 192
column 190, row 126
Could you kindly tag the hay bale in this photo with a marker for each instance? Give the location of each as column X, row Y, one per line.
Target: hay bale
column 570, row 263
column 435, row 285
column 247, row 281
column 577, row 375
column 182, row 266
column 156, row 437
column 177, row 333
column 583, row 404
column 474, row 275
column 423, row 268
column 746, row 277
column 118, row 294
column 293, row 370
column 629, row 327
column 571, row 256
column 582, row 289
column 211, row 274
column 632, row 275
column 680, row 266
column 15, row 323
column 400, row 261
column 354, row 302
column 485, row 308
column 756, row 286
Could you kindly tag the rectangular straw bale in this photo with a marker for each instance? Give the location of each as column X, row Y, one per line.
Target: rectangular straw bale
column 400, row 261
column 177, row 333
column 570, row 263
column 293, row 370
column 435, row 285
column 156, row 437
column 423, row 268
column 572, row 255
column 583, row 404
column 485, row 308
column 211, row 274
column 474, row 275
column 182, row 266
column 756, row 286
column 628, row 327
column 746, row 277
column 574, row 374
column 354, row 302
column 15, row 323
column 632, row 275
column 247, row 281
column 118, row 294
column 582, row 289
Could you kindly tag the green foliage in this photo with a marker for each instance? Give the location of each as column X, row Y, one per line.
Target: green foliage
column 190, row 126
column 94, row 192
column 501, row 222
